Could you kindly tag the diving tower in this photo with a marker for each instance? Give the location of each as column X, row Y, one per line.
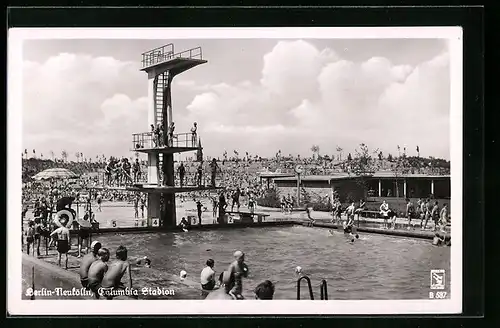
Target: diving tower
column 162, row 65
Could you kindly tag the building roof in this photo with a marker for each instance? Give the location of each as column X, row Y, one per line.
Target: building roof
column 342, row 176
column 275, row 175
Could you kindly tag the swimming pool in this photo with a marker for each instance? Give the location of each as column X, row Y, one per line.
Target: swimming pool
column 374, row 267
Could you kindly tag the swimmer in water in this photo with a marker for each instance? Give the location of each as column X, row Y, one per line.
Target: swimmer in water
column 87, row 261
column 264, row 290
column 353, row 237
column 145, row 261
column 113, row 276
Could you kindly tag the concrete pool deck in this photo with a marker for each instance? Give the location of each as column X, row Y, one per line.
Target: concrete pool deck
column 48, row 276
column 119, row 218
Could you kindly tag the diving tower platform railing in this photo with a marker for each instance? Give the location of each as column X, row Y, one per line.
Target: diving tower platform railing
column 147, row 142
column 175, row 62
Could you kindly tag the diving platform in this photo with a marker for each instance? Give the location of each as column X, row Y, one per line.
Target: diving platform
column 156, row 189
column 148, row 143
column 165, row 150
column 165, row 59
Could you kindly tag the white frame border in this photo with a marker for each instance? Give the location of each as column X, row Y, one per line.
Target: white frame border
column 17, row 306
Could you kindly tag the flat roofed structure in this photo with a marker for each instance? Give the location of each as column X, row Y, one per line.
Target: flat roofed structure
column 378, row 184
column 383, row 175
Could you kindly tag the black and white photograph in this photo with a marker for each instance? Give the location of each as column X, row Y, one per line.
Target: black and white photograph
column 174, row 168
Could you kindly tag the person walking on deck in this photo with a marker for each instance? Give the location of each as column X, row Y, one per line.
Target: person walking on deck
column 194, row 134
column 214, row 168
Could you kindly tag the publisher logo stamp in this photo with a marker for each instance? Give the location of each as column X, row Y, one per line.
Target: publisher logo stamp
column 437, row 279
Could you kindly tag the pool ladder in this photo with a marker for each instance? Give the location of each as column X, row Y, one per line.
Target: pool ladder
column 323, row 288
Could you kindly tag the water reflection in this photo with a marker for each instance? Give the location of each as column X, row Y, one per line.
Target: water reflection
column 373, row 267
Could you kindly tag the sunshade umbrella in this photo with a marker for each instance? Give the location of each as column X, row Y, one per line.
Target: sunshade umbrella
column 55, row 174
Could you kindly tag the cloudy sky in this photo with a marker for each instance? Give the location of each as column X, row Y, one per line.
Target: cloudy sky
column 255, row 95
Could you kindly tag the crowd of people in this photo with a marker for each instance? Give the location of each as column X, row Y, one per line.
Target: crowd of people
column 53, row 215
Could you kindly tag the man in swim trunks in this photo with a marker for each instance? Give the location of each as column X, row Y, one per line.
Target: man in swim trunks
column 99, row 201
column 350, row 214
column 199, row 210
column 251, row 203
column 427, row 211
column 136, row 209
column 361, row 208
column 143, row 204
column 235, row 272
column 444, row 217
column 308, row 211
column 435, row 215
column 410, row 212
column 30, row 237
column 87, row 261
column 207, row 276
column 38, row 234
column 63, row 240
column 283, row 204
column 384, row 210
column 236, row 200
column 264, row 290
column 97, row 270
column 222, row 207
column 84, row 234
column 182, row 172
column 215, row 205
column 113, row 276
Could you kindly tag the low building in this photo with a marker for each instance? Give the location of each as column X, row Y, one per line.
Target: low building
column 378, row 185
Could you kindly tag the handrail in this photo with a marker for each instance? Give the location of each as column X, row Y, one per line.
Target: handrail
column 150, row 140
column 308, row 286
column 324, row 290
column 158, row 55
column 162, row 47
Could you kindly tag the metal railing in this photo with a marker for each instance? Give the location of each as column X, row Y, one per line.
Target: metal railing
column 157, row 55
column 150, row 140
column 166, row 53
column 308, row 286
column 324, row 290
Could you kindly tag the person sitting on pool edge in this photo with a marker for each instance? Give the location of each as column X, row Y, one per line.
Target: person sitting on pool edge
column 223, row 292
column 207, row 276
column 87, row 261
column 97, row 271
column 113, row 276
column 184, row 224
column 264, row 290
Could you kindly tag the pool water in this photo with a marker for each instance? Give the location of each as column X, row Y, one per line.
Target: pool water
column 373, row 267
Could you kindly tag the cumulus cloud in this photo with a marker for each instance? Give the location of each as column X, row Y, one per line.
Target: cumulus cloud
column 320, row 98
column 79, row 102
column 305, row 96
